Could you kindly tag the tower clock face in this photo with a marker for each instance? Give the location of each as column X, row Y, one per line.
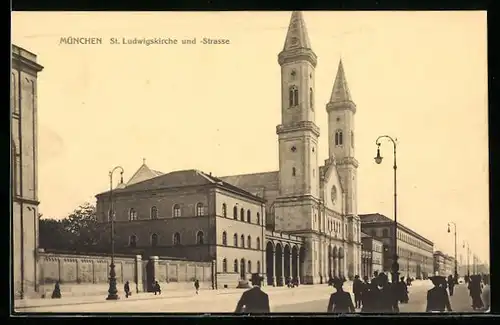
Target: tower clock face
column 334, row 194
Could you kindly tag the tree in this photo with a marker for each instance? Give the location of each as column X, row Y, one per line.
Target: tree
column 77, row 231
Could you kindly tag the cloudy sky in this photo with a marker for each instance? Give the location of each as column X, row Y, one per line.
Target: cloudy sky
column 420, row 77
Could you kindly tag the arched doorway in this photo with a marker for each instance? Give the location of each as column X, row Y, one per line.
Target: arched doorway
column 334, row 261
column 341, row 262
column 279, row 265
column 270, row 263
column 295, row 255
column 287, row 255
column 243, row 270
column 302, row 259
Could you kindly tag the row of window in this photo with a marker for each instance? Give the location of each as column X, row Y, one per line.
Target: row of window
column 176, row 239
column 293, row 97
column 239, row 266
column 339, row 138
column 241, row 242
column 241, row 214
column 199, row 212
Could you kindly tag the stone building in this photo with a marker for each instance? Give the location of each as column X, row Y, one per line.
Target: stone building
column 415, row 252
column 304, row 215
column 372, row 255
column 24, row 173
column 444, row 264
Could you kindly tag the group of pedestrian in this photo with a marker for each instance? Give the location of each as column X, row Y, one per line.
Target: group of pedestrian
column 475, row 286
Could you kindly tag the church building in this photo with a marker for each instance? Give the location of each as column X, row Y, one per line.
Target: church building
column 299, row 222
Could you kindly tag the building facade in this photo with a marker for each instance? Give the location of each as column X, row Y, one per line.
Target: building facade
column 373, row 255
column 415, row 252
column 309, row 227
column 444, row 264
column 24, row 173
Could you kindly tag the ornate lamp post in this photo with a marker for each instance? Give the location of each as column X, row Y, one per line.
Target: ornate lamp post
column 378, row 160
column 468, row 253
column 112, row 291
column 455, row 234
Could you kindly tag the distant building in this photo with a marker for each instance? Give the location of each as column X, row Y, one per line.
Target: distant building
column 439, row 259
column 415, row 252
column 372, row 255
column 24, row 171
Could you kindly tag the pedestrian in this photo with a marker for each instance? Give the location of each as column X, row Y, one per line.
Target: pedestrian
column 385, row 295
column 403, row 291
column 357, row 289
column 254, row 300
column 56, row 294
column 485, row 296
column 475, row 291
column 156, row 288
column 340, row 301
column 367, row 296
column 197, row 285
column 437, row 297
column 451, row 284
column 126, row 289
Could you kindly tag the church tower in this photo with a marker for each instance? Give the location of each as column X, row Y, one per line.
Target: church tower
column 297, row 205
column 341, row 143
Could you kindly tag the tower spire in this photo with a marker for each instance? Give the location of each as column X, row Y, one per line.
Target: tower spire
column 340, row 91
column 297, row 36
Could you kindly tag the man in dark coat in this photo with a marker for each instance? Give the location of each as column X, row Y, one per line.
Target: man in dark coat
column 368, row 295
column 357, row 289
column 385, row 297
column 451, row 284
column 437, row 297
column 254, row 300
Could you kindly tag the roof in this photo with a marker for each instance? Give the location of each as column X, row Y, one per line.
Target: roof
column 268, row 180
column 142, row 174
column 297, row 37
column 182, row 178
column 363, row 235
column 374, row 218
column 340, row 91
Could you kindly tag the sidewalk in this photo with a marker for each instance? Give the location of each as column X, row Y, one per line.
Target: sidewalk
column 172, row 296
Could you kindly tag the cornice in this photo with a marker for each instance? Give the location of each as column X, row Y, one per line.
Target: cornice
column 300, row 54
column 298, row 126
column 341, row 106
column 348, row 161
column 23, row 63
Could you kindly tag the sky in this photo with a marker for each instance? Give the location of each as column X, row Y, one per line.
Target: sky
column 420, row 77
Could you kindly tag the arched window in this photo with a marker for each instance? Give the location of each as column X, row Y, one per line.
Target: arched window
column 258, row 218
column 249, row 241
column 352, row 139
column 199, row 238
column 293, row 171
column 242, row 214
column 311, row 98
column 258, row 267
column 177, row 239
column 132, row 214
column 200, row 210
column 258, row 243
column 249, row 216
column 224, row 265
column 235, row 266
column 132, row 241
column 235, row 240
column 154, row 240
column 293, row 96
column 385, row 233
column 249, row 267
column 224, row 210
column 242, row 238
column 177, row 211
column 224, row 238
column 154, row 213
column 235, row 213
column 338, row 138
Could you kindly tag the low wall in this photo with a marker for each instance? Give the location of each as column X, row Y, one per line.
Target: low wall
column 87, row 274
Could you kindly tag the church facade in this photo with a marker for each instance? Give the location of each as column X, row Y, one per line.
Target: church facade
column 299, row 222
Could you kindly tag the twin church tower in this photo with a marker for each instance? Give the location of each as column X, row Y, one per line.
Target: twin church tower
column 316, row 202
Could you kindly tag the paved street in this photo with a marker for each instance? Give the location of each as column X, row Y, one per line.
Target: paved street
column 302, row 299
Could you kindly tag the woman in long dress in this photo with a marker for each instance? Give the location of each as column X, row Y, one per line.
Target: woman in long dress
column 340, row 301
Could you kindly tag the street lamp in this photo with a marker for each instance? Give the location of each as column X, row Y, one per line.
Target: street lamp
column 378, row 160
column 455, row 234
column 468, row 253
column 112, row 291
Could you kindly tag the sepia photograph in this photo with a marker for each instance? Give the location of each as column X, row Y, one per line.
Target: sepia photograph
column 250, row 162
